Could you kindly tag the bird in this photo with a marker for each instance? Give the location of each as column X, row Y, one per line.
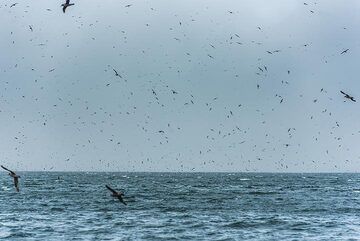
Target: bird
column 13, row 175
column 66, row 4
column 116, row 73
column 347, row 96
column 13, row 5
column 345, row 51
column 116, row 194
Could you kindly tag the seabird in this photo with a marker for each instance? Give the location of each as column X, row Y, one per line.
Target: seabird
column 13, row 175
column 116, row 194
column 348, row 96
column 13, row 5
column 116, row 73
column 345, row 51
column 66, row 4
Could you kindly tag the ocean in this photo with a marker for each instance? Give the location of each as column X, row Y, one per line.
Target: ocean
column 180, row 206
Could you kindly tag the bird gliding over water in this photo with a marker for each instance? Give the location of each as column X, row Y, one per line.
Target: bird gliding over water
column 13, row 175
column 117, row 194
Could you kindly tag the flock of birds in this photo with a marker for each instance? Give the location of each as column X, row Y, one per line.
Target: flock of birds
column 163, row 133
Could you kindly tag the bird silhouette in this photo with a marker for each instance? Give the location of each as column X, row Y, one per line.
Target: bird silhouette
column 13, row 175
column 348, row 96
column 116, row 73
column 66, row 4
column 117, row 194
column 345, row 51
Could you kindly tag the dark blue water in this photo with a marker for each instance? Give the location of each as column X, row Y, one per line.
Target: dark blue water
column 188, row 206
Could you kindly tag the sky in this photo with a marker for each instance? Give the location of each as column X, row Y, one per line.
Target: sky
column 219, row 86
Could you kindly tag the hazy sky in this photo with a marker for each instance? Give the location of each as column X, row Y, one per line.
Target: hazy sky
column 199, row 89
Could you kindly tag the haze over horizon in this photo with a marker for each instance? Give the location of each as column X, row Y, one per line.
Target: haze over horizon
column 203, row 86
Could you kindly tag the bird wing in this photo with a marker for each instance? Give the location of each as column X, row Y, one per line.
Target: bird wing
column 122, row 200
column 7, row 170
column 342, row 92
column 64, row 8
column 67, row 1
column 112, row 190
column 16, row 183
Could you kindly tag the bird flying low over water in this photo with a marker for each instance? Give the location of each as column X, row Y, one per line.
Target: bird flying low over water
column 117, row 194
column 348, row 96
column 66, row 4
column 13, row 175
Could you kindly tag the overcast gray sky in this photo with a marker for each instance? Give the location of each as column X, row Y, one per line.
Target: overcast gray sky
column 206, row 85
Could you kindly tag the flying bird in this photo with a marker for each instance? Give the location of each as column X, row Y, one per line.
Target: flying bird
column 116, row 73
column 116, row 194
column 13, row 5
column 13, row 175
column 348, row 96
column 66, row 4
column 345, row 51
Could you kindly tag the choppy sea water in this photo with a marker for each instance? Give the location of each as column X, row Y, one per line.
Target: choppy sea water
column 181, row 206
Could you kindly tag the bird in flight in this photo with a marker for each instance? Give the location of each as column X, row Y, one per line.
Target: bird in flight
column 116, row 73
column 345, row 51
column 66, row 4
column 348, row 96
column 117, row 194
column 13, row 175
column 13, row 5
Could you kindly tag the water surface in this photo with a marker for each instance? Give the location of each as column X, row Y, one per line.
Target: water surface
column 181, row 206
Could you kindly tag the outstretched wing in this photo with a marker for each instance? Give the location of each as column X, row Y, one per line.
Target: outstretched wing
column 7, row 170
column 112, row 190
column 343, row 52
column 64, row 8
column 16, row 183
column 342, row 92
column 122, row 200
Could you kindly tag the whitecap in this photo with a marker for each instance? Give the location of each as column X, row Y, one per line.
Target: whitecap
column 5, row 233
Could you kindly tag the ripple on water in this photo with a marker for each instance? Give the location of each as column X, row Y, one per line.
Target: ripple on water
column 180, row 206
